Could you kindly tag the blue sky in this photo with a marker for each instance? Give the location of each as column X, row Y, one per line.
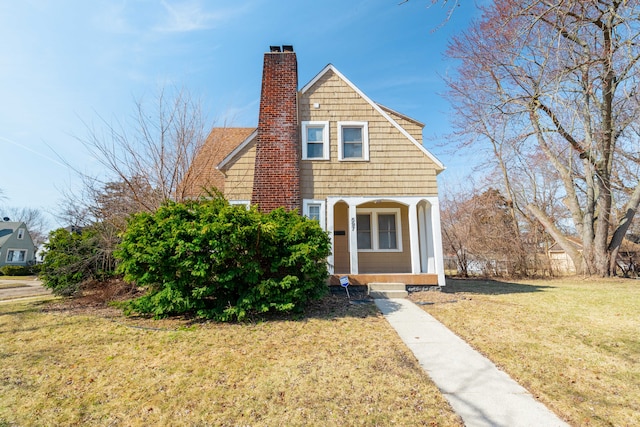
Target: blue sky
column 69, row 62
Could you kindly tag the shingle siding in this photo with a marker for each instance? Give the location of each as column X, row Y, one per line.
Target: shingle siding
column 395, row 167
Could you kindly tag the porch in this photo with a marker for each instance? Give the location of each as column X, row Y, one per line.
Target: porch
column 408, row 279
column 391, row 239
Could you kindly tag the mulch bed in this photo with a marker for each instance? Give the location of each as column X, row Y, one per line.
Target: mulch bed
column 96, row 298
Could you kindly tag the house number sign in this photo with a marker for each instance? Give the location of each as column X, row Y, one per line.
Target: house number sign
column 353, row 224
column 344, row 282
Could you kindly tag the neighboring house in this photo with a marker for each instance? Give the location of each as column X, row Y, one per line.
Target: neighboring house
column 559, row 260
column 355, row 166
column 627, row 260
column 16, row 245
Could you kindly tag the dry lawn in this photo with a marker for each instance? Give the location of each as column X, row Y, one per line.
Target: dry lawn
column 12, row 285
column 573, row 343
column 341, row 364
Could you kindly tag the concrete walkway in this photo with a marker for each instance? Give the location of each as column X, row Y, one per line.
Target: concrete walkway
column 13, row 290
column 476, row 389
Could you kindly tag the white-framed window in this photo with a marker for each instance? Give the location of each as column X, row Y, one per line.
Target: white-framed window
column 245, row 203
column 16, row 255
column 363, row 221
column 379, row 230
column 314, row 209
column 315, row 140
column 20, row 233
column 353, row 141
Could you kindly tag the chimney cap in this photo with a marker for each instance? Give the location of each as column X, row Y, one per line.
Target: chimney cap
column 283, row 48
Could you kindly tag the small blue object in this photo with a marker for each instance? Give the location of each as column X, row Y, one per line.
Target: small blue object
column 344, row 281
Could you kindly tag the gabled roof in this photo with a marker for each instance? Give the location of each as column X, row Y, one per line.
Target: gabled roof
column 240, row 145
column 376, row 107
column 407, row 118
column 573, row 240
column 382, row 110
column 220, row 144
column 7, row 228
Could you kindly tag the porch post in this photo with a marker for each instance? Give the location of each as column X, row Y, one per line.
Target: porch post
column 431, row 244
column 353, row 238
column 424, row 246
column 414, row 238
column 437, row 239
column 330, row 228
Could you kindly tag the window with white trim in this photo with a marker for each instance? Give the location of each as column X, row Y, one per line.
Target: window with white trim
column 315, row 140
column 314, row 209
column 379, row 230
column 245, row 203
column 364, row 231
column 353, row 141
column 387, row 233
column 16, row 255
column 20, row 233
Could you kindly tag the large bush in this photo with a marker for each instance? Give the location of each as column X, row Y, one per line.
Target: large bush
column 222, row 261
column 16, row 270
column 72, row 258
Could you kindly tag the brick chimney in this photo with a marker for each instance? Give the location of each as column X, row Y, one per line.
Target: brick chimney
column 277, row 169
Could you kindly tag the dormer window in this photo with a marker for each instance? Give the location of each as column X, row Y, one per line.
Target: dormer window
column 315, row 140
column 353, row 141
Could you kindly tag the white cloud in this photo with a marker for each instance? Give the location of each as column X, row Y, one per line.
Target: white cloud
column 192, row 15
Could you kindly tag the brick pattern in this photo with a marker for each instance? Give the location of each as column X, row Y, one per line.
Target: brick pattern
column 277, row 166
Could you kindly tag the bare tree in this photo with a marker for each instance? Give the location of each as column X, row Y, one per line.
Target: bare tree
column 449, row 5
column 559, row 79
column 34, row 219
column 147, row 158
column 480, row 231
column 109, row 203
column 455, row 232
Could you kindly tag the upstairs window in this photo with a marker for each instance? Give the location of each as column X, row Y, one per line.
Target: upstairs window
column 20, row 233
column 353, row 141
column 315, row 140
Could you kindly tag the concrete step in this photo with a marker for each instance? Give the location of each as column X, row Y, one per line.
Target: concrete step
column 388, row 294
column 387, row 290
column 381, row 286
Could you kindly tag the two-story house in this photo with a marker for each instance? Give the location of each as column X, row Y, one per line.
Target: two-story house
column 333, row 154
column 16, row 245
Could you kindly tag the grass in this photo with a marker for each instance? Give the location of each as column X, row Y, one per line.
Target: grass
column 12, row 285
column 573, row 343
column 341, row 364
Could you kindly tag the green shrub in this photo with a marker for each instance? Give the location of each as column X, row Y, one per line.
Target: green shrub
column 221, row 261
column 16, row 270
column 72, row 258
